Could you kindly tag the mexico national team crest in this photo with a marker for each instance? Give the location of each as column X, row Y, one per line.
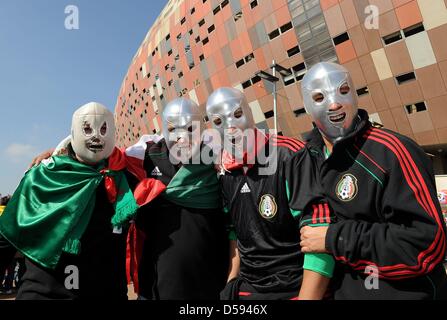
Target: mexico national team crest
column 268, row 207
column 347, row 188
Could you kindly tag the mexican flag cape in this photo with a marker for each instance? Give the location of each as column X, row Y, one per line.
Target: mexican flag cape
column 52, row 207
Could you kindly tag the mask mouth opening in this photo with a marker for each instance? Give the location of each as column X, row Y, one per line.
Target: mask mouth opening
column 95, row 146
column 337, row 118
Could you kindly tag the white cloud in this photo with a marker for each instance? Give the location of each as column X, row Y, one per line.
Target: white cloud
column 17, row 152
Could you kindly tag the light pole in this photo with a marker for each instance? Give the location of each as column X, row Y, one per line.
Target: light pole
column 274, row 79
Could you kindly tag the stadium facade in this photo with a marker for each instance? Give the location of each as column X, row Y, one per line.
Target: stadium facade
column 395, row 49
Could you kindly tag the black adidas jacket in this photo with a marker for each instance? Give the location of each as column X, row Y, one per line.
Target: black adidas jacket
column 381, row 187
column 262, row 204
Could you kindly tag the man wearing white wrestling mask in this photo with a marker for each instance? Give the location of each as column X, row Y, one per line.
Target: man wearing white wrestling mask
column 77, row 209
column 266, row 262
column 388, row 236
column 93, row 133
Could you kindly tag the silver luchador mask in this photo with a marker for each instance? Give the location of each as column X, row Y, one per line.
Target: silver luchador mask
column 182, row 129
column 330, row 98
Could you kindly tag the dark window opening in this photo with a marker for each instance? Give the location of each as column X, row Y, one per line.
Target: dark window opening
column 289, row 80
column 240, row 63
column 274, row 34
column 362, row 91
column 179, row 36
column 168, row 37
column 416, row 107
column 201, row 22
column 254, row 4
column 286, row 27
column 256, row 79
column 293, row 51
column 216, row 10
column 391, row 38
column 246, row 84
column 193, row 10
column 405, row 77
column 250, row 57
column 202, row 57
column 224, row 3
column 237, row 16
column 169, row 52
column 183, row 20
column 269, row 114
column 415, row 29
column 299, row 112
column 191, row 65
column 341, row 38
column 211, row 28
column 205, row 41
column 180, row 75
column 198, row 39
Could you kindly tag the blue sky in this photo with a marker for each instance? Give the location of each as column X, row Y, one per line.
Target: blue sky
column 47, row 71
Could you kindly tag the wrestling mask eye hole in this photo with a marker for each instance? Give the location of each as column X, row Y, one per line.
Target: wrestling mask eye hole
column 87, row 129
column 217, row 121
column 318, row 97
column 190, row 129
column 238, row 113
column 345, row 89
column 103, row 130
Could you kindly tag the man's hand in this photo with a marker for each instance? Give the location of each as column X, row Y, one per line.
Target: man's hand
column 44, row 155
column 313, row 239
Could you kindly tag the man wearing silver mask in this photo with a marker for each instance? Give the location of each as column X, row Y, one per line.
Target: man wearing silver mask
column 182, row 128
column 185, row 252
column 389, row 236
column 265, row 260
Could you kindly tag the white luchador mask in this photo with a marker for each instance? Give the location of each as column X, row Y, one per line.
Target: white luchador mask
column 93, row 133
column 183, row 125
column 230, row 114
column 330, row 98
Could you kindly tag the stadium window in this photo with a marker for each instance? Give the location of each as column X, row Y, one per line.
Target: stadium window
column 211, row 28
column 362, row 91
column 255, row 79
column 341, row 38
column 416, row 107
column 415, row 29
column 216, row 10
column 293, row 51
column 183, row 20
column 405, row 78
column 274, row 34
column 286, row 27
column 269, row 114
column 250, row 57
column 237, row 16
column 201, row 22
column 224, row 3
column 205, row 41
column 180, row 75
column 193, row 10
column 393, row 37
column 198, row 39
column 299, row 112
column 240, row 63
column 246, row 84
column 254, row 4
column 202, row 57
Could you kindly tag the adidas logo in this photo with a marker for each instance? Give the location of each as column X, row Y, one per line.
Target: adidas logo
column 156, row 172
column 245, row 189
